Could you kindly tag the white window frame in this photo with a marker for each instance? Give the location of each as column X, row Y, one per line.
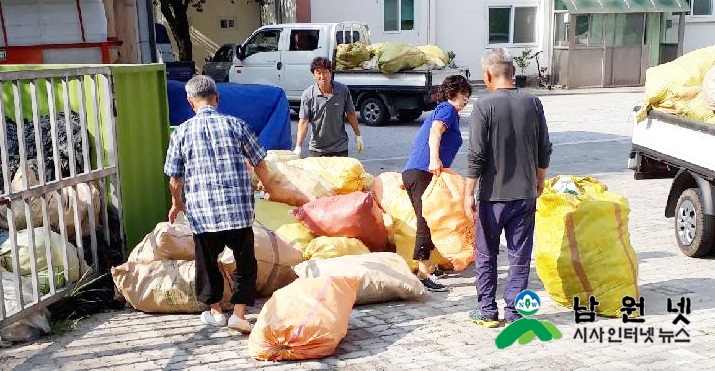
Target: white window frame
column 399, row 17
column 228, row 20
column 700, row 16
column 511, row 25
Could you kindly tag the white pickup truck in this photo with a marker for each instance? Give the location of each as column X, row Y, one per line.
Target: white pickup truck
column 669, row 146
column 280, row 55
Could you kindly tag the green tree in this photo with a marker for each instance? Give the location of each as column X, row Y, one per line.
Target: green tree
column 176, row 14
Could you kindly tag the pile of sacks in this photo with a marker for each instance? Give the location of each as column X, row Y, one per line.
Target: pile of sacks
column 389, row 57
column 328, row 236
column 684, row 87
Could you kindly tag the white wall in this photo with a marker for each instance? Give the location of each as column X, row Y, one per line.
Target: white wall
column 371, row 12
column 460, row 26
column 699, row 32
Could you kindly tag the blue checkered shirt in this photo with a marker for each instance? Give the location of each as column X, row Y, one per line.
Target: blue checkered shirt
column 208, row 152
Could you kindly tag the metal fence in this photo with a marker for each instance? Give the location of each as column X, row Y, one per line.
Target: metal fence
column 58, row 155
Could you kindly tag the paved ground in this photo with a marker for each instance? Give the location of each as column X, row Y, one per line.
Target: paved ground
column 590, row 133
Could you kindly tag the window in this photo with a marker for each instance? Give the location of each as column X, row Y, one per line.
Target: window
column 399, row 15
column 264, row 41
column 303, row 40
column 227, row 23
column 588, row 30
column 512, row 25
column 701, row 7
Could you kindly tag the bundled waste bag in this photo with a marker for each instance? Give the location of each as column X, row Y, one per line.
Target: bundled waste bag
column 354, row 215
column 295, row 234
column 304, row 320
column 452, row 230
column 275, row 259
column 384, row 276
column 583, row 246
column 166, row 242
column 345, row 173
column 350, row 56
column 434, row 55
column 708, row 95
column 392, row 197
column 395, row 57
column 294, row 186
column 273, row 214
column 331, row 247
column 33, row 325
column 676, row 86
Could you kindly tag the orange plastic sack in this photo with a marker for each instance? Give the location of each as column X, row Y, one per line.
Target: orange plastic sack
column 275, row 259
column 388, row 191
column 443, row 209
column 304, row 320
column 353, row 215
column 166, row 242
column 164, row 286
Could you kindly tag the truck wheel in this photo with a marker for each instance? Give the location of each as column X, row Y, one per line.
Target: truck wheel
column 693, row 229
column 409, row 115
column 373, row 111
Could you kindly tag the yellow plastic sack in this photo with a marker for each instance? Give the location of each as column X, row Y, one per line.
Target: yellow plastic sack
column 273, row 214
column 349, row 56
column 304, row 320
column 295, row 186
column 583, row 246
column 452, row 230
column 330, row 247
column 401, row 232
column 295, row 234
column 396, row 57
column 675, row 86
column 345, row 173
column 434, row 55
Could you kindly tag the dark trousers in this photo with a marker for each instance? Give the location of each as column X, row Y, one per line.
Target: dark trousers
column 416, row 182
column 329, row 154
column 516, row 218
column 209, row 280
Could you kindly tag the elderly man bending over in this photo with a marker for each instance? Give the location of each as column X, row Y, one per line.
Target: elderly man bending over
column 206, row 160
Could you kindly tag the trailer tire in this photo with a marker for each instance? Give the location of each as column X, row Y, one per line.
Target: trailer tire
column 694, row 230
column 373, row 112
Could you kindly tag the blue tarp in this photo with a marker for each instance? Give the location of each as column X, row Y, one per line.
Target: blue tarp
column 264, row 108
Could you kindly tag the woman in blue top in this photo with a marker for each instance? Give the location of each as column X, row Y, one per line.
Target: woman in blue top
column 434, row 148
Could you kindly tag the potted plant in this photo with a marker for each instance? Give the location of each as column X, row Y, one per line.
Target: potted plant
column 522, row 61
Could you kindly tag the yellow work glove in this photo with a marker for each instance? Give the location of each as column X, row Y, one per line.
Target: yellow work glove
column 358, row 143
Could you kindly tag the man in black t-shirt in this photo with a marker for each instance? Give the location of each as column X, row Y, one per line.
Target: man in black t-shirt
column 509, row 153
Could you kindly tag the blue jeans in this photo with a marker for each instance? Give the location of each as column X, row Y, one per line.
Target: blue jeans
column 516, row 218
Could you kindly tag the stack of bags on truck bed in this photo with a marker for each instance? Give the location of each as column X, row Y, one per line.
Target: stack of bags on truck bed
column 324, row 242
column 389, row 57
column 684, row 87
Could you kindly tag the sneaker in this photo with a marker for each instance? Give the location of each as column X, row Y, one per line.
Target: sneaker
column 477, row 317
column 431, row 283
column 239, row 324
column 509, row 321
column 438, row 272
column 218, row 320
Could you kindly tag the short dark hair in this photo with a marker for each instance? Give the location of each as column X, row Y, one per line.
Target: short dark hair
column 453, row 85
column 321, row 63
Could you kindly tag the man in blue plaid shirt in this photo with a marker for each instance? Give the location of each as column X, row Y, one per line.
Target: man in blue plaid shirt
column 206, row 160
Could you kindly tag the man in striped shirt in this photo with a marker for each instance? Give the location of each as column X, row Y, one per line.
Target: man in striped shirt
column 206, row 161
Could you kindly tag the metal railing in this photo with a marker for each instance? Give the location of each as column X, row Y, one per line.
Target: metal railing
column 54, row 194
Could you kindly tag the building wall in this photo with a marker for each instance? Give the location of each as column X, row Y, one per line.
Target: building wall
column 206, row 32
column 460, row 26
column 698, row 32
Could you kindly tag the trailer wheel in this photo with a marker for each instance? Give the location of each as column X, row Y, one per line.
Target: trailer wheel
column 693, row 229
column 373, row 111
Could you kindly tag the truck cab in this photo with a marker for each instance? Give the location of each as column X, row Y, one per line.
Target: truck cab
column 280, row 55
